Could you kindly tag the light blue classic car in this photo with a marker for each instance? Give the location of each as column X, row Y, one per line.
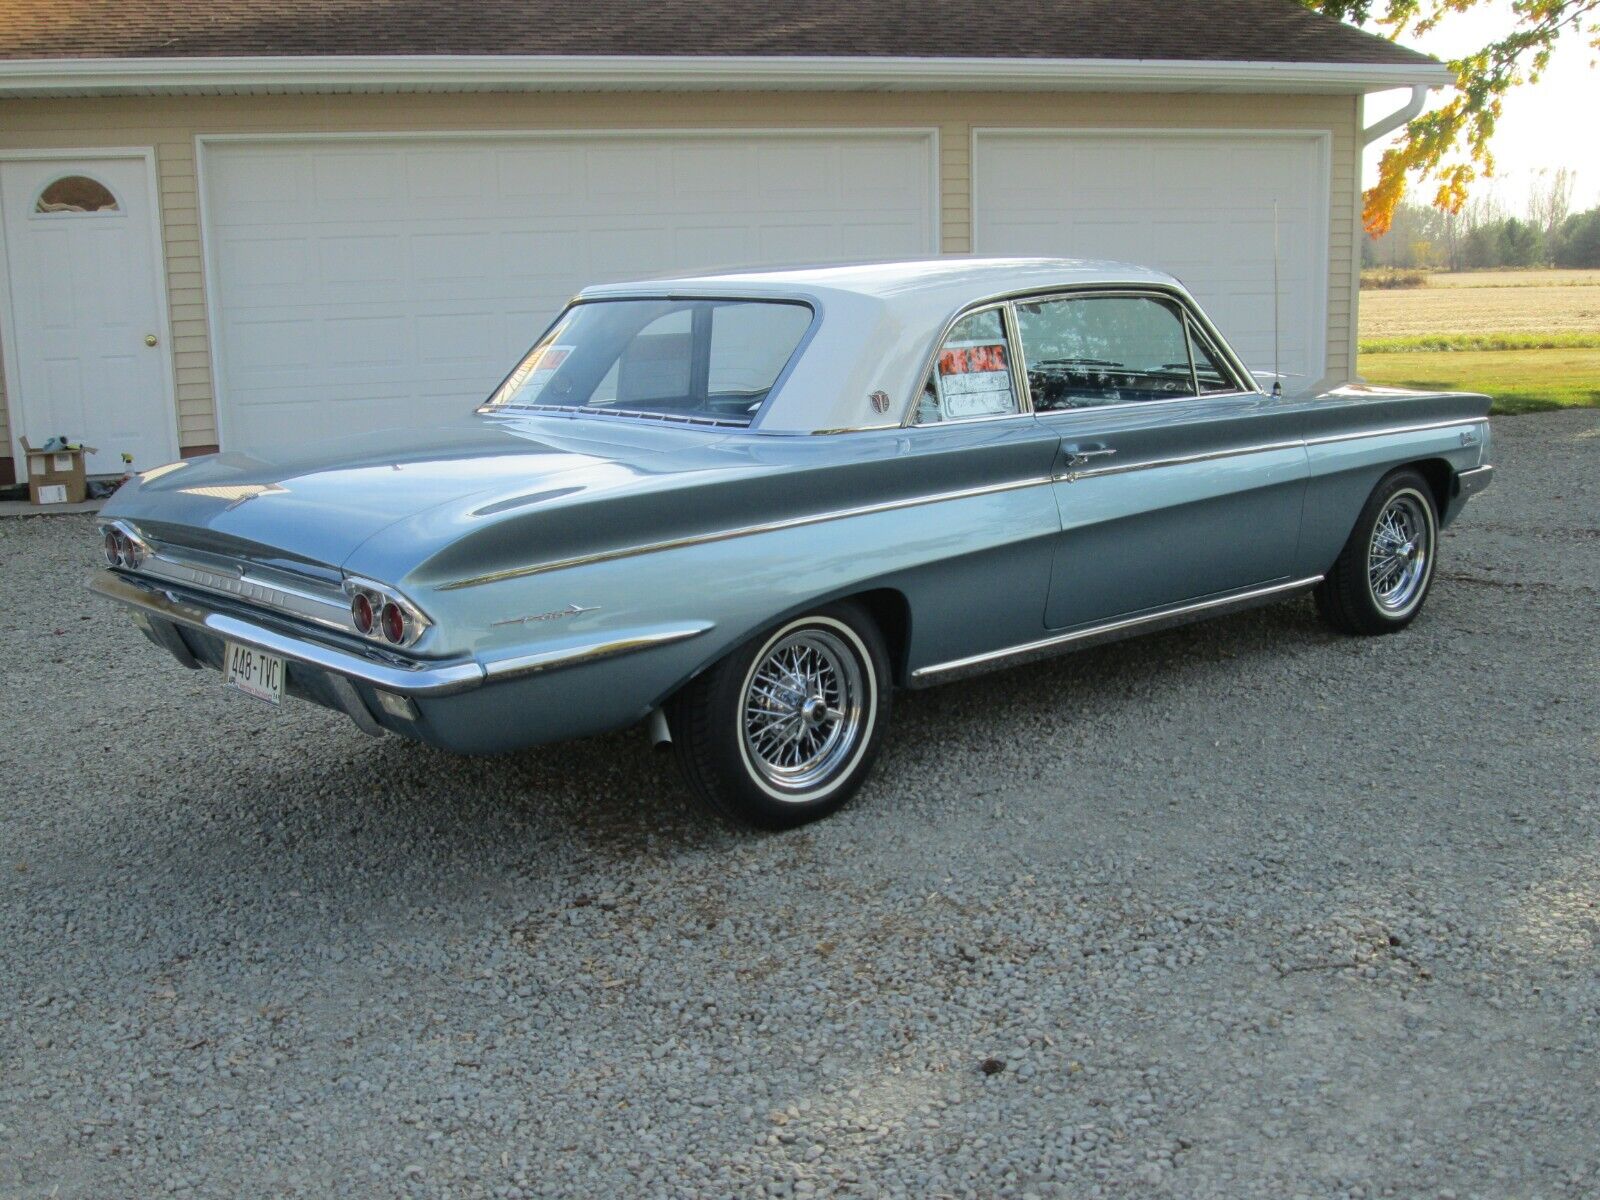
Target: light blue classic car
column 743, row 509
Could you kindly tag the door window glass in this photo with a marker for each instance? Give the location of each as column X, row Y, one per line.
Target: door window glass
column 1208, row 371
column 76, row 194
column 1103, row 350
column 971, row 376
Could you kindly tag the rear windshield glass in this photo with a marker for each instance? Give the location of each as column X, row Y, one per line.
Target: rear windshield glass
column 705, row 361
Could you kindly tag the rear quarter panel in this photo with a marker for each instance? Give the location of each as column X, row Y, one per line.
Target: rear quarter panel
column 960, row 521
column 1356, row 436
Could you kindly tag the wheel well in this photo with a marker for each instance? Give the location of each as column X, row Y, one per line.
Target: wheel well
column 892, row 613
column 1438, row 473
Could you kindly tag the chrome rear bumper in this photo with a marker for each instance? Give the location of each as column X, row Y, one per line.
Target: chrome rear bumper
column 160, row 606
column 154, row 601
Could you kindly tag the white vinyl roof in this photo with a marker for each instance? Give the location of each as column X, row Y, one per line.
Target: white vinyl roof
column 877, row 323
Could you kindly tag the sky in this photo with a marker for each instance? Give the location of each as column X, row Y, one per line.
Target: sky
column 1544, row 125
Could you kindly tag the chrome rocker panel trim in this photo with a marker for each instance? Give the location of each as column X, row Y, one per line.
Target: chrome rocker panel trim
column 424, row 680
column 1109, row 631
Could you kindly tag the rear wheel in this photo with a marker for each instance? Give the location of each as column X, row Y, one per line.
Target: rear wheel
column 785, row 729
column 1382, row 576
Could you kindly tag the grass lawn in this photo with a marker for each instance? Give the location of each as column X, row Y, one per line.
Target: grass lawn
column 1519, row 380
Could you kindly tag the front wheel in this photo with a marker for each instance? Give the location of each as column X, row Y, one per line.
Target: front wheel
column 785, row 729
column 1382, row 576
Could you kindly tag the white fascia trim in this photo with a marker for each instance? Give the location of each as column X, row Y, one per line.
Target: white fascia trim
column 84, row 76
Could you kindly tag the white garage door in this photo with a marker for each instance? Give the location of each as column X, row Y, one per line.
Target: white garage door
column 358, row 283
column 1199, row 206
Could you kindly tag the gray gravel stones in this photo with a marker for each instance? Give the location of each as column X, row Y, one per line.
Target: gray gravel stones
column 1246, row 910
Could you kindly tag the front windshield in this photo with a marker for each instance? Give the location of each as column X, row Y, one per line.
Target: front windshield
column 711, row 361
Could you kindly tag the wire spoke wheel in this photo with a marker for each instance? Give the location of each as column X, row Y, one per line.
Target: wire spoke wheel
column 803, row 710
column 1399, row 553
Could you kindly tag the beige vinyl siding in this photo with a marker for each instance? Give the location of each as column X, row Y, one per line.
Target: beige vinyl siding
column 171, row 124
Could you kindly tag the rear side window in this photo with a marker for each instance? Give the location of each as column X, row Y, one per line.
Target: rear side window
column 971, row 377
column 1096, row 350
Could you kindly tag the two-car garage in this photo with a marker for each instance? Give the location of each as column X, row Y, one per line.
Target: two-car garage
column 355, row 281
column 365, row 281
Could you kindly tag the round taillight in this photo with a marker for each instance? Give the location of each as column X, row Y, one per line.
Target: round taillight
column 394, row 623
column 125, row 553
column 113, row 550
column 361, row 612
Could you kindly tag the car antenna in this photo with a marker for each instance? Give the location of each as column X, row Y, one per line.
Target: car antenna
column 1277, row 367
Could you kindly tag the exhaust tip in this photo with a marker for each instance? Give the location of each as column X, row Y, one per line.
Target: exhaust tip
column 660, row 733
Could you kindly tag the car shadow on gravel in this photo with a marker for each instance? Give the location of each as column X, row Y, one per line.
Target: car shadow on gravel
column 370, row 822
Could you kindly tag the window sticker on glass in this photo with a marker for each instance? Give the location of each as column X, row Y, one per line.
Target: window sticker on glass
column 534, row 372
column 974, row 379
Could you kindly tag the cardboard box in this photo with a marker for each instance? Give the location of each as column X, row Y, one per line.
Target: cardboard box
column 56, row 476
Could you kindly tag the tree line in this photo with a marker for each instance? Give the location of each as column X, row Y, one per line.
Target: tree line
column 1484, row 235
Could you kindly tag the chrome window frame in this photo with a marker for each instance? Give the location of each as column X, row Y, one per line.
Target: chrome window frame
column 484, row 408
column 1019, row 375
column 1187, row 315
column 1195, row 322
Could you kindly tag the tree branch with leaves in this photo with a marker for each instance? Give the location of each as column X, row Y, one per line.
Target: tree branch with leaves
column 1449, row 145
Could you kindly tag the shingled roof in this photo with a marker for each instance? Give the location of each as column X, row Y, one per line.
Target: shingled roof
column 1259, row 31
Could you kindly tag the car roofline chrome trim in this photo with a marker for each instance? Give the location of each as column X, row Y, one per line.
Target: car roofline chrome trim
column 1107, row 631
column 722, row 535
column 425, row 679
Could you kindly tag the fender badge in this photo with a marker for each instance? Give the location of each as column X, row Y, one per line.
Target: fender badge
column 880, row 400
column 1469, row 437
column 570, row 610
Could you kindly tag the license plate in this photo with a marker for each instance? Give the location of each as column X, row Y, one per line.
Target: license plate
column 253, row 672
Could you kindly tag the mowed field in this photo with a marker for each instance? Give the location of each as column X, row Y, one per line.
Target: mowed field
column 1530, row 339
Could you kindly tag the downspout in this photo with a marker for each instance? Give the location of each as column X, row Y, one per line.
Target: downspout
column 1419, row 97
column 1405, row 113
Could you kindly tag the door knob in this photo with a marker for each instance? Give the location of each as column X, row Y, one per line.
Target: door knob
column 150, row 339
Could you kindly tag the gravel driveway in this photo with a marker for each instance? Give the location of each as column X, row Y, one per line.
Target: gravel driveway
column 1242, row 910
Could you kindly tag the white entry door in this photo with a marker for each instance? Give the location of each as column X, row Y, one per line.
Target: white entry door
column 86, row 353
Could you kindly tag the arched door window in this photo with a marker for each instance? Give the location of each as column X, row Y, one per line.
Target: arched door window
column 76, row 194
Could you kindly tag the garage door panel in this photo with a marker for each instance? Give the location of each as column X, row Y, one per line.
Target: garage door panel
column 1197, row 205
column 396, row 279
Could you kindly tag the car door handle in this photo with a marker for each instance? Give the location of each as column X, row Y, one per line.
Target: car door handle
column 1076, row 454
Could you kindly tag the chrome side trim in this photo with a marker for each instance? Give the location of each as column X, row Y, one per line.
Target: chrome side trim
column 1233, row 452
column 549, row 660
column 581, row 560
column 722, row 535
column 427, row 680
column 1109, row 631
column 1328, row 439
column 1177, row 461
